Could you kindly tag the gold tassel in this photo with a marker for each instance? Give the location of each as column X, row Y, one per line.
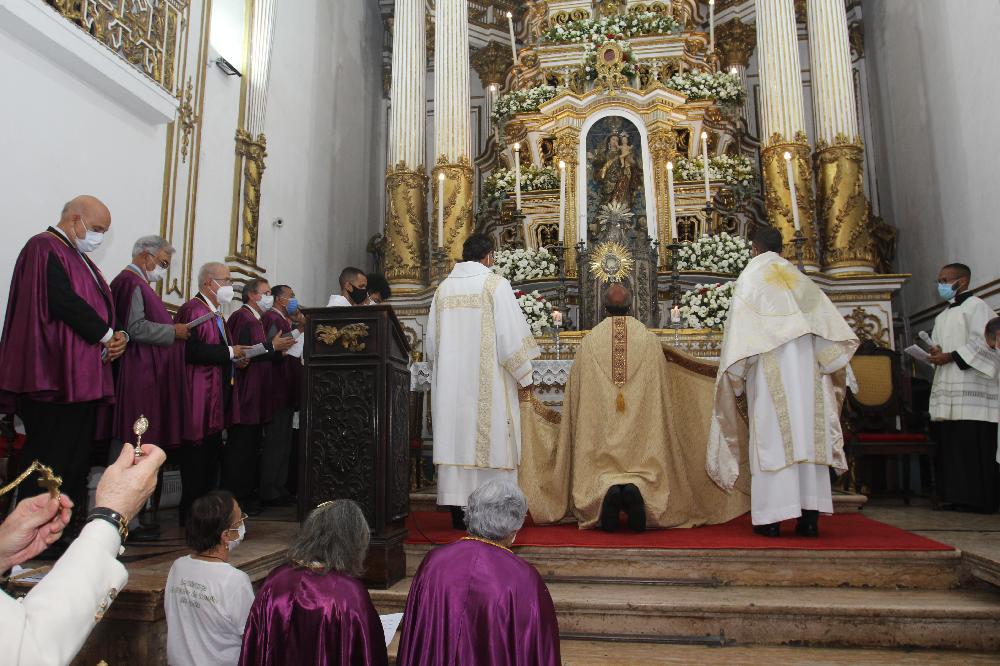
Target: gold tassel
column 621, row 402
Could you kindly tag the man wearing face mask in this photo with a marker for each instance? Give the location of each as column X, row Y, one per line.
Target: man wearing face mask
column 353, row 289
column 58, row 341
column 209, row 357
column 964, row 398
column 252, row 394
column 286, row 375
column 149, row 377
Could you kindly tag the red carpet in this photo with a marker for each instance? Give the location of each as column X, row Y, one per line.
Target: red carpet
column 847, row 531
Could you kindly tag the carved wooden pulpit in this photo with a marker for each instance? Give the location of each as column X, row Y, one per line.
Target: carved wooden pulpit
column 355, row 423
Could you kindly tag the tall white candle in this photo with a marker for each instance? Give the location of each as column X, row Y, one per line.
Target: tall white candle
column 711, row 26
column 517, row 174
column 673, row 203
column 704, row 159
column 791, row 191
column 441, row 210
column 513, row 42
column 562, row 200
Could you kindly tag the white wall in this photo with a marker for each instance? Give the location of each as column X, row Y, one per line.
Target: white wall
column 935, row 97
column 325, row 132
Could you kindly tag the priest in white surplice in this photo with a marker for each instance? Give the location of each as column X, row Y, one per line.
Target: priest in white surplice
column 964, row 402
column 787, row 348
column 480, row 348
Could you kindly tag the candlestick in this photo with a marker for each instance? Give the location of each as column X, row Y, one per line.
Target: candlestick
column 562, row 200
column 791, row 191
column 704, row 159
column 733, row 71
column 441, row 210
column 513, row 42
column 673, row 203
column 517, row 175
column 711, row 26
column 557, row 318
column 675, row 315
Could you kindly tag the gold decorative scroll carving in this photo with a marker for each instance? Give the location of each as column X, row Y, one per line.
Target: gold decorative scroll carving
column 843, row 207
column 868, row 326
column 662, row 149
column 736, row 41
column 251, row 152
column 349, row 336
column 458, row 195
column 777, row 196
column 566, row 145
column 492, row 62
column 143, row 33
column 405, row 225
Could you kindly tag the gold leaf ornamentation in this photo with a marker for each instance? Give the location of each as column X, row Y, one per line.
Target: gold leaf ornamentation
column 349, row 336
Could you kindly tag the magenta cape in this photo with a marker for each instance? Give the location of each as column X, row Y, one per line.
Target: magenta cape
column 251, row 404
column 203, row 402
column 149, row 379
column 300, row 618
column 287, row 373
column 475, row 603
column 41, row 356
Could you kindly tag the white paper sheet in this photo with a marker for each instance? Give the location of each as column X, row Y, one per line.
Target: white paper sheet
column 299, row 346
column 390, row 623
column 918, row 353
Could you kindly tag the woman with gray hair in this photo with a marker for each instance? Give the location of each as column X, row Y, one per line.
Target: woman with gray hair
column 313, row 609
column 476, row 602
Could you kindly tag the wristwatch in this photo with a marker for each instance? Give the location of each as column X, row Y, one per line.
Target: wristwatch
column 113, row 517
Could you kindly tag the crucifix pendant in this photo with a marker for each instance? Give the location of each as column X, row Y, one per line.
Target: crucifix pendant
column 139, row 428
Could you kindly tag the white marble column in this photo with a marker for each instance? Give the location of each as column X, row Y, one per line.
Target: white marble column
column 848, row 245
column 452, row 124
column 406, row 249
column 735, row 41
column 782, row 125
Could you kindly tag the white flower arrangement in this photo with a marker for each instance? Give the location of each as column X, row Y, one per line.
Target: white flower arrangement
column 520, row 265
column 521, row 101
column 723, row 87
column 617, row 27
column 738, row 170
column 537, row 311
column 533, row 179
column 721, row 253
column 707, row 306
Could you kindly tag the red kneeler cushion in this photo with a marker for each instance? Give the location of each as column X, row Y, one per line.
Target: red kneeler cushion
column 890, row 437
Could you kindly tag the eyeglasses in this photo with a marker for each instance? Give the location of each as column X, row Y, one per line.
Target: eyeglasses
column 243, row 519
column 222, row 282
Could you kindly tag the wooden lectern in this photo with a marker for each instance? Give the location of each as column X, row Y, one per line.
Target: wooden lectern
column 355, row 424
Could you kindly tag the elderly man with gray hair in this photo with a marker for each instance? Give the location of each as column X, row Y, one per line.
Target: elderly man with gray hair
column 313, row 609
column 476, row 602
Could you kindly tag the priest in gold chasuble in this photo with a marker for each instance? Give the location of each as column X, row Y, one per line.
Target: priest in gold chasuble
column 631, row 437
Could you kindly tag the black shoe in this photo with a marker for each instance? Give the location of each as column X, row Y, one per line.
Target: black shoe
column 145, row 533
column 634, row 507
column 808, row 523
column 610, row 509
column 457, row 517
column 768, row 530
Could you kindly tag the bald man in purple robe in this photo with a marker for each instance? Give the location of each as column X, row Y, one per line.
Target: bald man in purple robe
column 58, row 342
column 476, row 602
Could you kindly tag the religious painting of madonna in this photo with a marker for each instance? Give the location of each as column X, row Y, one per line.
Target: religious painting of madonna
column 614, row 168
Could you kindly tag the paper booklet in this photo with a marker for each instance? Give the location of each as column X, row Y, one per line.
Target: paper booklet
column 255, row 351
column 200, row 320
column 919, row 354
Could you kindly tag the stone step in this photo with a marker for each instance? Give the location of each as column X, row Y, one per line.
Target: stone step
column 815, row 617
column 758, row 568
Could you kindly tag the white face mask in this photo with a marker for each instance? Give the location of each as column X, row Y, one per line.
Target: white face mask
column 92, row 241
column 266, row 302
column 241, row 532
column 224, row 294
column 159, row 274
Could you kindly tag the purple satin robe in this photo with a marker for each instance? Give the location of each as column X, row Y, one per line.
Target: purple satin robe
column 301, row 618
column 42, row 357
column 475, row 603
column 149, row 379
column 251, row 403
column 287, row 373
column 203, row 400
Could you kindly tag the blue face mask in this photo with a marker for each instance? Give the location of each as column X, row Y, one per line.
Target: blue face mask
column 293, row 305
column 946, row 291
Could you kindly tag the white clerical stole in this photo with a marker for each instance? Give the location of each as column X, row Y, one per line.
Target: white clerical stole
column 480, row 348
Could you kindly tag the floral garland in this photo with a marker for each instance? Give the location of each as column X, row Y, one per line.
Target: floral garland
column 590, row 56
column 723, row 87
column 611, row 27
column 736, row 170
column 537, row 311
column 501, row 181
column 521, row 265
column 521, row 101
column 707, row 306
column 721, row 253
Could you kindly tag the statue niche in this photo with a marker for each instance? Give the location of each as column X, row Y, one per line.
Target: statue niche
column 614, row 169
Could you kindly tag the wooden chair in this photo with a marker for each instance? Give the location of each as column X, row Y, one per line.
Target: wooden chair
column 879, row 425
